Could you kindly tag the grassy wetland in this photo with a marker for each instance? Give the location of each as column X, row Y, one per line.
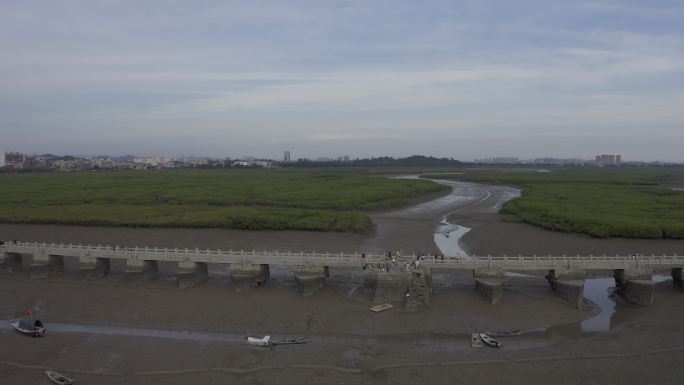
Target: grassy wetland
column 238, row 199
column 603, row 203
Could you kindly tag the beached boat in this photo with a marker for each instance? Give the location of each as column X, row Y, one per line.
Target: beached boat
column 504, row 333
column 379, row 308
column 29, row 326
column 263, row 342
column 58, row 378
column 293, row 341
column 490, row 341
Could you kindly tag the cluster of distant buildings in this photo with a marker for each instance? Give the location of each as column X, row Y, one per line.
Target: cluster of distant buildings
column 601, row 160
column 14, row 161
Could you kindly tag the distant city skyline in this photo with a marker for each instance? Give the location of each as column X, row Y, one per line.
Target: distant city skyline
column 461, row 79
column 287, row 157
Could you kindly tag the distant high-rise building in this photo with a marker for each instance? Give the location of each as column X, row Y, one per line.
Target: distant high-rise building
column 287, row 156
column 2, row 158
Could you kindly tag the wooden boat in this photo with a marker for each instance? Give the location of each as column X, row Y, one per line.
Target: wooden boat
column 263, row 342
column 379, row 308
column 490, row 341
column 58, row 378
column 29, row 326
column 293, row 341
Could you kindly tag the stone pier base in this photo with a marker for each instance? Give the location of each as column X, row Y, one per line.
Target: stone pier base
column 635, row 286
column 392, row 287
column 194, row 273
column 677, row 277
column 138, row 271
column 489, row 283
column 568, row 285
column 99, row 268
column 370, row 279
column 310, row 279
column 14, row 261
column 26, row 265
column 56, row 263
column 247, row 277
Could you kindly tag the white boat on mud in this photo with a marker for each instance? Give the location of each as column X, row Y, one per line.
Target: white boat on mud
column 29, row 326
column 266, row 341
column 263, row 342
column 490, row 341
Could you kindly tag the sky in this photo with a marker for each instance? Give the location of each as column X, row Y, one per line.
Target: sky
column 463, row 79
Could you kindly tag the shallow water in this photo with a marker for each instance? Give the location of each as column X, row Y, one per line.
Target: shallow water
column 601, row 292
column 464, row 195
column 447, row 239
column 427, row 341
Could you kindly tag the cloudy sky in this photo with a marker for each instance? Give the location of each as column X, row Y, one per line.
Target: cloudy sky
column 463, row 79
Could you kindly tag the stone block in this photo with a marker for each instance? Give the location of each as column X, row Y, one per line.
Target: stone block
column 491, row 288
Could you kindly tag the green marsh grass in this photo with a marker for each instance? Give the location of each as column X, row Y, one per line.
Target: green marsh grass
column 602, row 203
column 239, row 199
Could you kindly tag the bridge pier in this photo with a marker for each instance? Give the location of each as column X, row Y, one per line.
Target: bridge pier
column 16, row 261
column 420, row 290
column 94, row 267
column 310, row 279
column 199, row 273
column 635, row 286
column 392, row 287
column 370, row 279
column 56, row 263
column 247, row 277
column 568, row 285
column 28, row 265
column 489, row 283
column 138, row 270
column 677, row 276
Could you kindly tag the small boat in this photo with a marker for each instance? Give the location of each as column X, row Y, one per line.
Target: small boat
column 29, row 326
column 490, row 341
column 505, row 333
column 293, row 341
column 263, row 342
column 58, row 378
column 379, row 308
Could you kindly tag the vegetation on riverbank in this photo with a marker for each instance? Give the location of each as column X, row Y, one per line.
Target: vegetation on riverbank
column 603, row 203
column 239, row 199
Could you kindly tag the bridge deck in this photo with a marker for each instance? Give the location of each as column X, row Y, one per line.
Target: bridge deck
column 136, row 255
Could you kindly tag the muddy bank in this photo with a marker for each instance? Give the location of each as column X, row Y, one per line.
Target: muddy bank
column 491, row 235
column 186, row 238
column 278, row 308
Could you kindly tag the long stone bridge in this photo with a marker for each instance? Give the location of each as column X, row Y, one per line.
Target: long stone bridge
column 405, row 279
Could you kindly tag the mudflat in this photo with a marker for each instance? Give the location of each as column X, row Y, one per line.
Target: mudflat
column 153, row 333
column 349, row 344
column 491, row 235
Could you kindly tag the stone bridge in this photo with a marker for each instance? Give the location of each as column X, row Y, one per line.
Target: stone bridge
column 391, row 277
